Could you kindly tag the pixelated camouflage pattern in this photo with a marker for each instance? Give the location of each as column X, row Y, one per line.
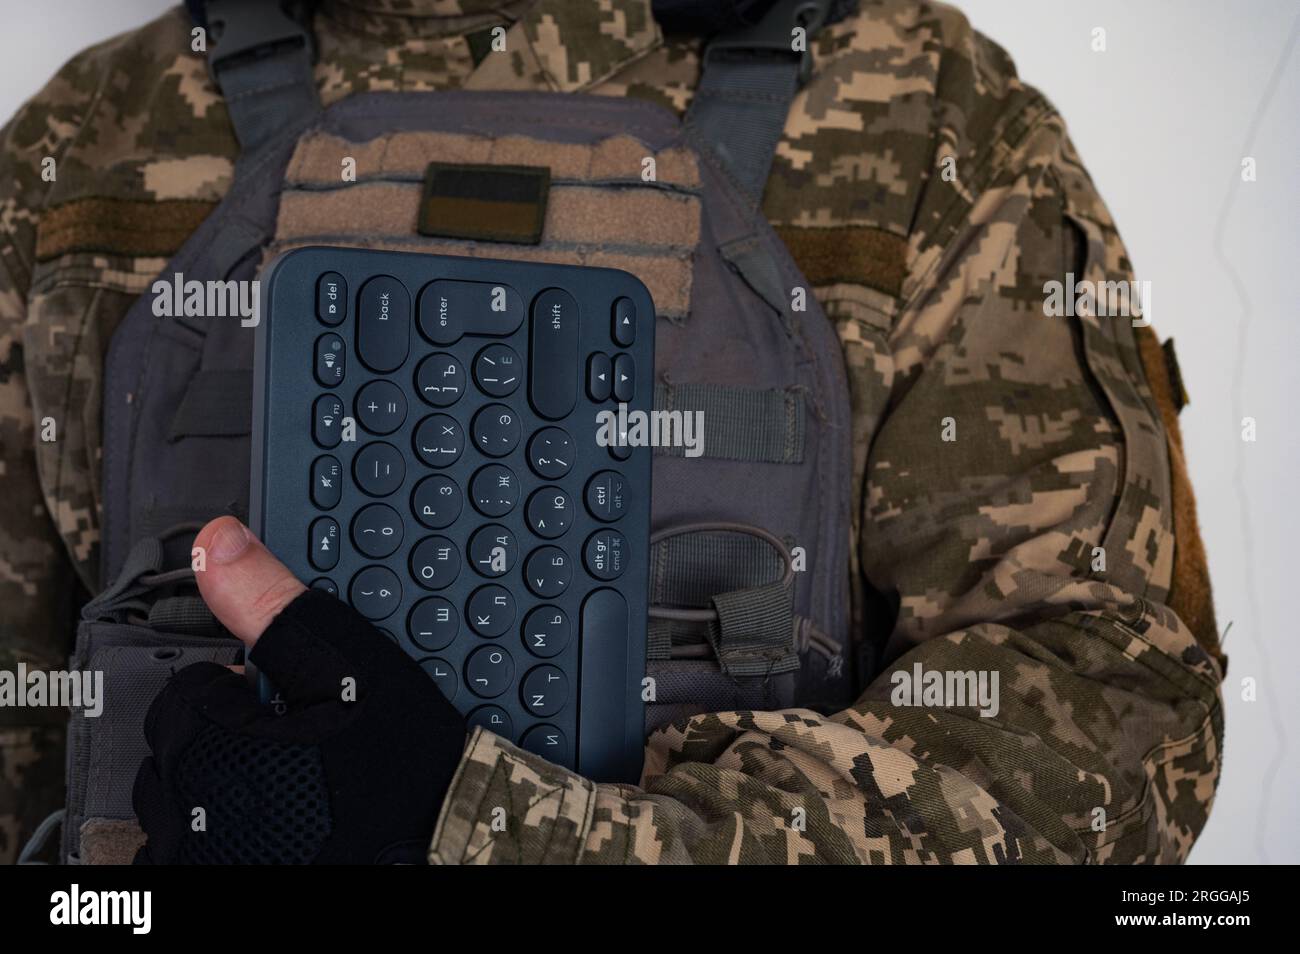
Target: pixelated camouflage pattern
column 986, row 542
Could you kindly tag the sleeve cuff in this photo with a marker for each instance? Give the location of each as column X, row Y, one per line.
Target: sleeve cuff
column 508, row 806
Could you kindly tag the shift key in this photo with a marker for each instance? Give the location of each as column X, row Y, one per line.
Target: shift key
column 553, row 371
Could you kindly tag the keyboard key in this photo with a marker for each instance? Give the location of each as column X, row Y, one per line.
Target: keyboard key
column 436, row 502
column 325, row 584
column 439, row 440
column 547, row 571
column 326, row 482
column 551, row 453
column 490, row 610
column 624, row 385
column 379, row 469
column 324, row 540
column 546, row 631
column 600, row 377
column 433, row 624
column 496, row 430
column 381, row 407
column 327, row 420
column 493, row 551
column 488, row 671
column 449, row 309
column 497, row 369
column 331, row 360
column 606, row 499
column 331, row 298
column 377, row 531
column 553, row 362
column 383, row 324
column 624, row 330
column 443, row 675
column 493, row 719
column 375, row 592
column 435, row 563
column 441, row 379
column 548, row 742
column 544, row 691
column 606, row 554
column 549, row 512
column 494, row 490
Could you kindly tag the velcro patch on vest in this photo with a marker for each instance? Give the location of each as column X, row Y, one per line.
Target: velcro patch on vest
column 484, row 203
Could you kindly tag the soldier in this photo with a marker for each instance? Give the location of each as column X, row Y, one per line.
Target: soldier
column 1020, row 502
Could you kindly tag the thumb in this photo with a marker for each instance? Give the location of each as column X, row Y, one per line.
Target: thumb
column 242, row 583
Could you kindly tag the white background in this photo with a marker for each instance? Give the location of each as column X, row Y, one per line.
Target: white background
column 1161, row 118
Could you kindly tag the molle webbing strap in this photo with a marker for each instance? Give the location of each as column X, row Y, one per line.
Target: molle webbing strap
column 261, row 59
column 750, row 77
column 754, row 632
column 761, row 425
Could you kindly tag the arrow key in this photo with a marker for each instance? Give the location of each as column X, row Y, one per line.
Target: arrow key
column 600, row 376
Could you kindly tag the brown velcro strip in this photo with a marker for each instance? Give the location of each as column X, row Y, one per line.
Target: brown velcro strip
column 486, row 203
column 1190, row 595
column 119, row 226
column 316, row 159
column 853, row 254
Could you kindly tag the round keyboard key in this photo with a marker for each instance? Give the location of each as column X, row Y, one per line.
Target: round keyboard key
column 331, row 298
column 326, row 584
column 436, row 502
column 440, row 379
column 548, row 742
column 323, row 538
column 496, row 430
column 490, row 611
column 546, row 631
column 377, row 531
column 606, row 554
column 550, row 452
column 488, row 671
column 549, row 512
column 443, row 675
column 331, row 361
column 493, row 719
column 375, row 592
column 435, row 563
column 493, row 551
column 432, row 624
column 439, row 440
column 606, row 496
column 379, row 469
column 381, row 407
column 327, row 420
column 494, row 490
column 326, row 482
column 547, row 571
column 497, row 370
column 388, row 634
column 544, row 691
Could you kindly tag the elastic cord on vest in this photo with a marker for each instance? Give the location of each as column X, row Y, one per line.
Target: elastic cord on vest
column 707, row 615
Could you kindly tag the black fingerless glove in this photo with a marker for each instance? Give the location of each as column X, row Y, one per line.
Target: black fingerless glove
column 329, row 781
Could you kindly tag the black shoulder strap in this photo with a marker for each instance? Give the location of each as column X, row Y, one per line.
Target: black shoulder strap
column 261, row 59
column 749, row 79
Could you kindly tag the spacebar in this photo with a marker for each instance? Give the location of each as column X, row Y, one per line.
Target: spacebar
column 603, row 694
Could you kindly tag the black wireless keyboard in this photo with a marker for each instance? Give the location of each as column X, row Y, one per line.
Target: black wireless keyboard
column 425, row 446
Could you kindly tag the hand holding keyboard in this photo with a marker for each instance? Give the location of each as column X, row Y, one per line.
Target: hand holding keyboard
column 425, row 447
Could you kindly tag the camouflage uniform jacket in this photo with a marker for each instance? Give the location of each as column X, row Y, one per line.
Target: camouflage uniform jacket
column 928, row 195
